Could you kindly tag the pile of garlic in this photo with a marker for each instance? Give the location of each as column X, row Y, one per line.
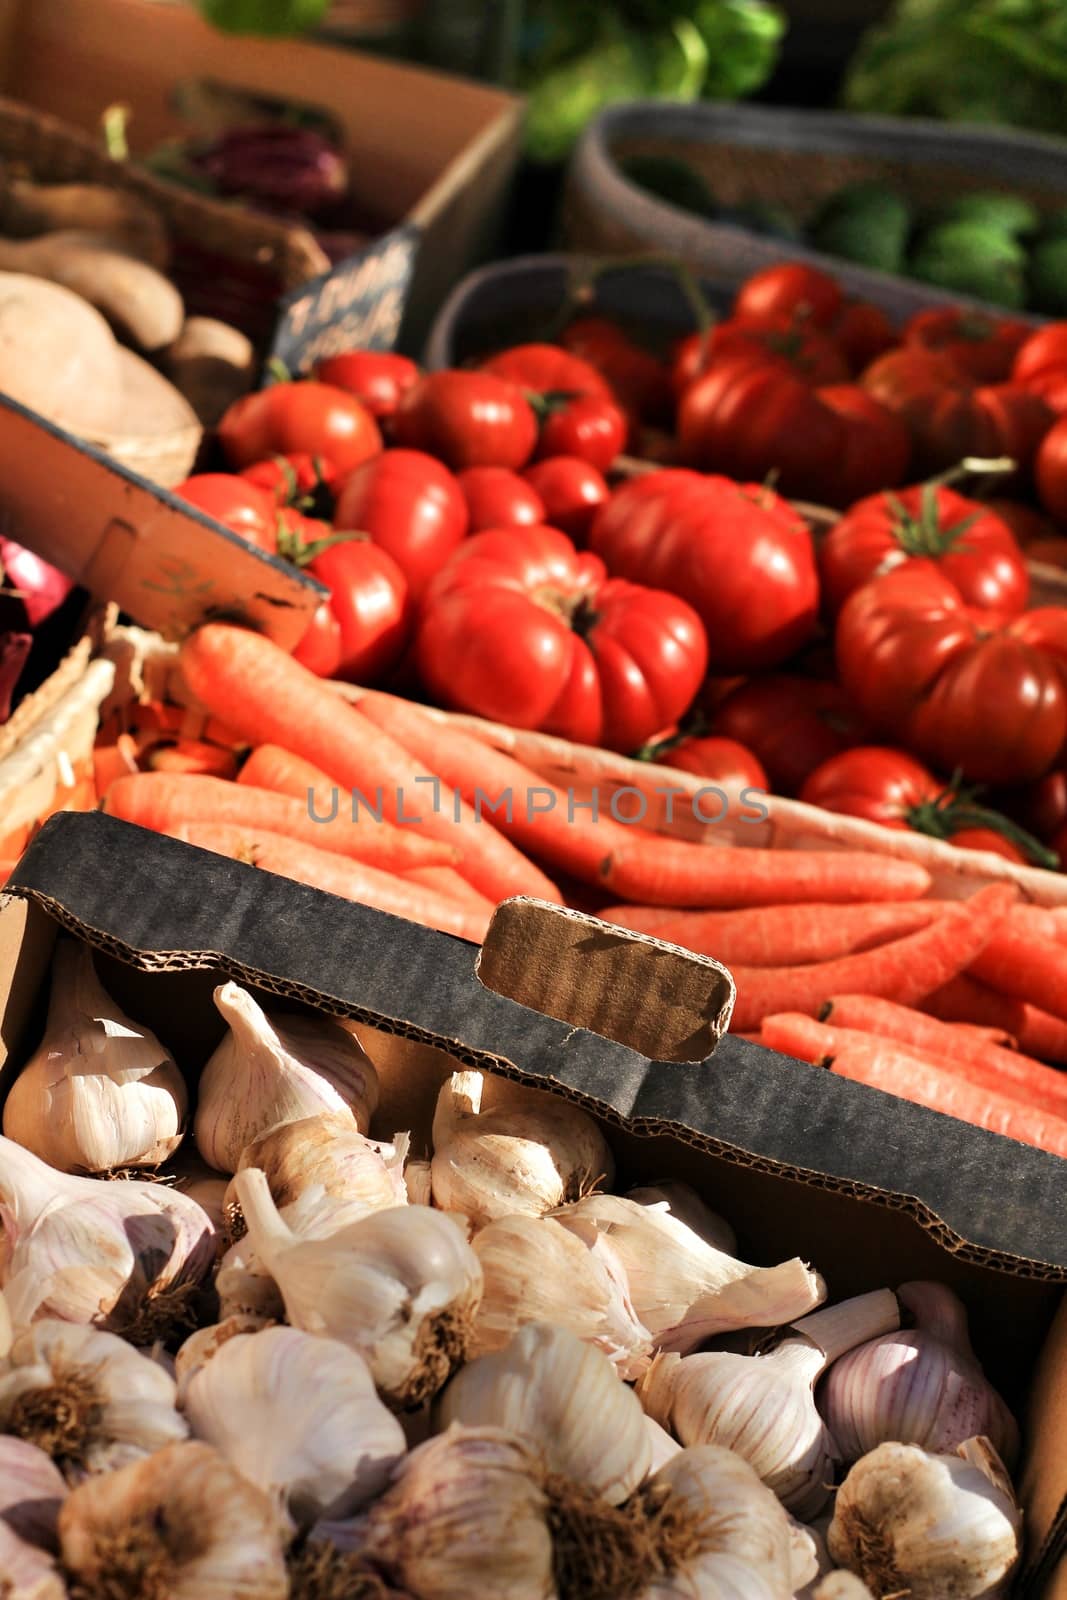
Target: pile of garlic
column 291, row 1361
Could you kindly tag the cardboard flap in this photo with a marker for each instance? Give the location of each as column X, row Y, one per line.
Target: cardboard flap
column 128, row 541
column 665, row 1002
column 158, row 904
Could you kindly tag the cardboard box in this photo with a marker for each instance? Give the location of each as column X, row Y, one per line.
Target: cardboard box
column 872, row 1191
column 425, row 149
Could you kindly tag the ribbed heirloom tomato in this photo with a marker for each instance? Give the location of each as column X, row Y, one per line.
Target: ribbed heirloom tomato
column 740, row 555
column 792, row 725
column 962, row 687
column 970, row 544
column 305, row 418
column 411, row 506
column 522, row 628
column 982, row 346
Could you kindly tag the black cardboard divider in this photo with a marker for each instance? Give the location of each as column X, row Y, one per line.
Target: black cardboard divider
column 160, row 905
column 358, row 305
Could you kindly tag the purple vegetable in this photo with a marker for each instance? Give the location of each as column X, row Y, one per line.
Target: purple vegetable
column 14, row 648
column 279, row 168
column 41, row 588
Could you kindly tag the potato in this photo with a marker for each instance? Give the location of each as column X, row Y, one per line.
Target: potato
column 213, row 365
column 57, row 354
column 141, row 304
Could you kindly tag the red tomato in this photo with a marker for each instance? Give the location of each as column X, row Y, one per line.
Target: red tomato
column 639, row 382
column 243, row 507
column 749, row 418
column 467, row 419
column 740, row 555
column 548, row 369
column 949, row 682
column 571, row 491
column 949, row 418
column 303, row 418
column 522, row 628
column 982, row 346
column 370, row 603
column 873, row 782
column 497, row 498
column 1044, row 351
column 813, row 355
column 863, row 333
column 592, row 429
column 876, row 447
column 291, row 478
column 376, row 377
column 989, row 839
column 1050, row 471
column 970, row 545
column 320, row 648
column 792, row 725
column 1041, row 807
column 722, row 761
column 411, row 506
column 791, row 289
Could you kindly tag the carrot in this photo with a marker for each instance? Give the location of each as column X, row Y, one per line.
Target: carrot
column 113, row 760
column 195, row 756
column 773, row 936
column 964, row 999
column 632, row 863
column 1006, row 1070
column 157, row 800
column 1025, row 968
column 639, row 919
column 905, row 971
column 909, row 1076
column 971, row 1030
column 1038, row 922
column 322, row 869
column 448, row 881
column 268, row 698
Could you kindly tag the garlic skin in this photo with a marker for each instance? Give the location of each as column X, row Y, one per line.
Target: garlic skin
column 123, row 1256
column 182, row 1523
column 683, row 1289
column 538, row 1271
column 245, row 1288
column 809, row 1559
column 100, row 1092
column 201, row 1346
column 466, row 1515
column 87, row 1398
column 326, row 1154
column 299, row 1417
column 565, row 1399
column 32, row 1489
column 662, row 1445
column 400, row 1286
column 271, row 1069
column 418, row 1183
column 686, row 1206
column 842, row 1586
column 7, row 1333
column 521, row 1159
column 935, row 1527
column 26, row 1571
column 921, row 1385
column 763, row 1407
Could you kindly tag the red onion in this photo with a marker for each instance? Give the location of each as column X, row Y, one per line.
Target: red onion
column 921, row 1386
column 280, row 168
column 41, row 588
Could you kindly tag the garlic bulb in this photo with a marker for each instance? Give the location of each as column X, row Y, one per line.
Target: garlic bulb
column 181, row 1524
column 298, row 1416
column 466, row 1515
column 662, row 1445
column 27, row 1572
column 32, row 1489
column 124, row 1256
column 401, row 1286
column 269, row 1070
column 686, row 1206
column 327, row 1154
column 538, row 1271
column 88, row 1399
column 192, row 1176
column 6, row 1330
column 809, row 1559
column 683, row 1289
column 525, row 1158
column 245, row 1288
column 928, row 1526
column 842, row 1586
column 201, row 1346
column 763, row 1406
column 418, row 1183
column 566, row 1400
column 100, row 1091
column 922, row 1385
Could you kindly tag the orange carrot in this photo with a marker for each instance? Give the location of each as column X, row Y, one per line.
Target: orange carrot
column 910, row 1076
column 632, row 863
column 779, row 936
column 157, row 800
column 640, row 919
column 270, row 767
column 195, row 756
column 1026, row 968
column 268, row 698
column 964, row 999
column 448, row 881
column 905, row 971
column 1005, row 1070
column 322, row 869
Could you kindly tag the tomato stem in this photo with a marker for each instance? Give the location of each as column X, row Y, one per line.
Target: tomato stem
column 955, row 809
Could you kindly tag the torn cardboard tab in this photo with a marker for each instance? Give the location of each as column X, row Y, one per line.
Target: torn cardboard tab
column 162, row 562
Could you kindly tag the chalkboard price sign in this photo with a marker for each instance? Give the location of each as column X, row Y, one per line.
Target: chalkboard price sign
column 358, row 305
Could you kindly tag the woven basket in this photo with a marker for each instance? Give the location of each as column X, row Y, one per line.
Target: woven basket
column 227, row 262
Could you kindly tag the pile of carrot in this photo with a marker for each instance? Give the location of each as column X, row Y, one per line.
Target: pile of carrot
column 838, row 958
